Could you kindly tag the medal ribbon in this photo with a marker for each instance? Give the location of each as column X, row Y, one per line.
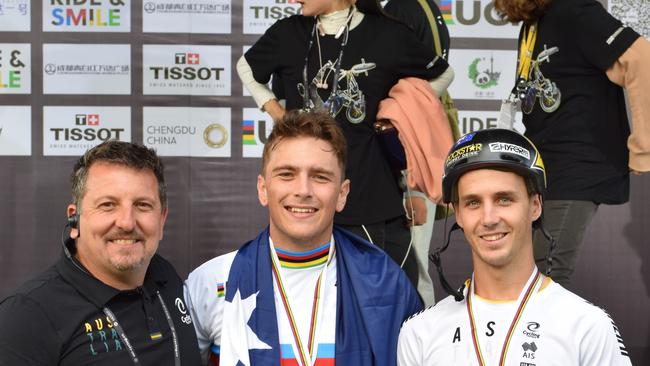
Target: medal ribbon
column 532, row 286
column 307, row 354
column 526, row 51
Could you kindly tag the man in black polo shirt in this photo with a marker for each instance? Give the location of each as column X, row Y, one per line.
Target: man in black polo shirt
column 109, row 300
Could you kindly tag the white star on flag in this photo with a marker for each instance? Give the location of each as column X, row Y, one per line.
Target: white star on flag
column 237, row 337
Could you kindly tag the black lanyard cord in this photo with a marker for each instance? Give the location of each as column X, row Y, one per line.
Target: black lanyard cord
column 120, row 331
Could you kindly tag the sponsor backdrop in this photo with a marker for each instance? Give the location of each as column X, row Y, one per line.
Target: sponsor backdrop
column 74, row 73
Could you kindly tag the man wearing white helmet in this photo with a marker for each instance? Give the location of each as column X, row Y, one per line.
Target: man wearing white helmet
column 507, row 313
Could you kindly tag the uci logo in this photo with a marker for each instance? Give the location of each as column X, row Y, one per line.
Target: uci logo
column 185, row 318
column 469, row 13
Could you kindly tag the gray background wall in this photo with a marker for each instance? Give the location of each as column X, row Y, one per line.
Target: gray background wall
column 213, row 205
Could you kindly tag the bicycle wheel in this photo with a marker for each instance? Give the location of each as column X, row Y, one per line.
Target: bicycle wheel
column 550, row 99
column 528, row 99
column 356, row 111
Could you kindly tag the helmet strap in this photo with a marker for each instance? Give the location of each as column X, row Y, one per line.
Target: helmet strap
column 436, row 258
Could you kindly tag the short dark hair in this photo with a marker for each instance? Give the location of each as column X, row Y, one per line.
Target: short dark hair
column 318, row 125
column 127, row 154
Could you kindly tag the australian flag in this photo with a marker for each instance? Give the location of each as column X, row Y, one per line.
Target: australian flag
column 374, row 297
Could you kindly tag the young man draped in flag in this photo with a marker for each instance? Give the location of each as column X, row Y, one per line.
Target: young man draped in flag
column 508, row 313
column 303, row 292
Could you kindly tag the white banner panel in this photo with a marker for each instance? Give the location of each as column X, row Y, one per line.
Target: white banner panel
column 471, row 121
column 482, row 74
column 70, row 131
column 15, row 68
column 182, row 131
column 186, row 70
column 15, row 130
column 633, row 13
column 256, row 128
column 86, row 15
column 475, row 19
column 187, row 16
column 86, row 68
column 15, row 15
column 261, row 14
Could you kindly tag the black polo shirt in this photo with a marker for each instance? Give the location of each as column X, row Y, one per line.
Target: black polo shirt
column 57, row 319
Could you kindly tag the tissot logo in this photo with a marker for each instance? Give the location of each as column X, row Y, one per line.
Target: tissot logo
column 87, row 119
column 261, row 14
column 15, row 70
column 86, row 15
column 72, row 130
column 86, row 134
column 186, row 69
column 272, row 12
column 187, row 58
column 186, row 73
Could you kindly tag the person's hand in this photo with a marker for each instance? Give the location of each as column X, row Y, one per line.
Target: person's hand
column 416, row 210
column 274, row 109
column 636, row 172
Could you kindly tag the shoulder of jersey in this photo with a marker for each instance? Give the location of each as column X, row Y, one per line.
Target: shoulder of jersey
column 217, row 267
column 436, row 310
column 573, row 304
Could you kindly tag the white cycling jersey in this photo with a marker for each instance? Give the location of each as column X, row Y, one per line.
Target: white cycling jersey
column 205, row 296
column 557, row 327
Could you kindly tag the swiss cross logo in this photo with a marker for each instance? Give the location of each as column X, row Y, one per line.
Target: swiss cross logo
column 193, row 58
column 189, row 58
column 93, row 120
column 86, row 119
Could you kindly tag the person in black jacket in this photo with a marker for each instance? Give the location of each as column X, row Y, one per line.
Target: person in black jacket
column 574, row 60
column 110, row 299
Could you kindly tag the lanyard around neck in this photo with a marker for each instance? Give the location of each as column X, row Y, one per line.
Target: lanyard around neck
column 120, row 331
column 337, row 73
column 532, row 286
column 526, row 47
column 307, row 353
